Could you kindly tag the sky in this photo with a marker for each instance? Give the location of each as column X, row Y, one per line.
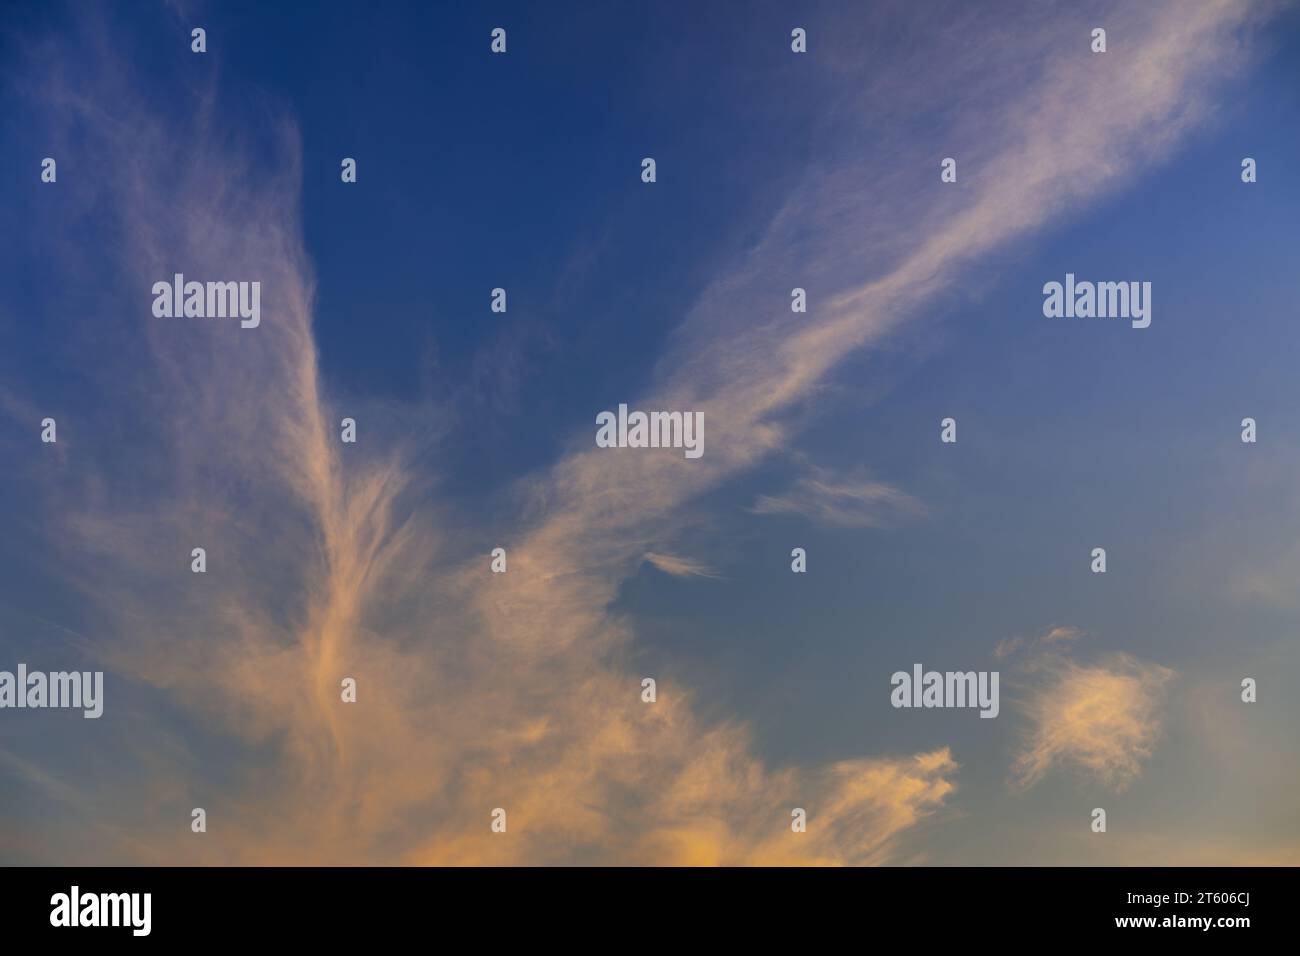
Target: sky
column 475, row 429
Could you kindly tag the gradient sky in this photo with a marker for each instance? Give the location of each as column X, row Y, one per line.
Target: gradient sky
column 521, row 690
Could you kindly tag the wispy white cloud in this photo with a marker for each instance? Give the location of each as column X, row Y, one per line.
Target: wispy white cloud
column 479, row 690
column 680, row 567
column 844, row 502
column 1053, row 635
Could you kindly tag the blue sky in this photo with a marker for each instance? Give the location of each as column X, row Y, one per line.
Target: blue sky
column 775, row 170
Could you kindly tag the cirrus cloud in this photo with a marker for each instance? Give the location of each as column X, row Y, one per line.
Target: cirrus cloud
column 1101, row 719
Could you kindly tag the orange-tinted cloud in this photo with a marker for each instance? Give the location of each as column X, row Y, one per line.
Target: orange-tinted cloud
column 478, row 690
column 1101, row 719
